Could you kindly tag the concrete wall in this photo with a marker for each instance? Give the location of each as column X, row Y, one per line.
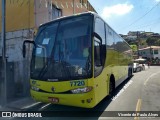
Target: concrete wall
column 67, row 6
column 1, row 80
column 14, row 41
column 42, row 9
column 18, row 84
column 22, row 18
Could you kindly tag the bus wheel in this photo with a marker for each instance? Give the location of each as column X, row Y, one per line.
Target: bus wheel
column 111, row 85
column 130, row 72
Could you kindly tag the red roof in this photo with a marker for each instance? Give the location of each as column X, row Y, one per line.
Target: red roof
column 153, row 47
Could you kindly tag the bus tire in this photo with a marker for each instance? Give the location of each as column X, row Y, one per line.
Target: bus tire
column 130, row 72
column 111, row 85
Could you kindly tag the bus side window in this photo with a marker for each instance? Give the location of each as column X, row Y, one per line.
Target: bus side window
column 99, row 45
column 97, row 57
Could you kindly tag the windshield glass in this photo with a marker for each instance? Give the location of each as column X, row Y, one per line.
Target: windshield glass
column 63, row 50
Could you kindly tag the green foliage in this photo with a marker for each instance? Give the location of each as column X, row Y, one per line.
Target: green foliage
column 134, row 47
column 153, row 41
column 143, row 42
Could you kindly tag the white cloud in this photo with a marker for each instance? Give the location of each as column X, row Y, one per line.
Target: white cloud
column 157, row 0
column 119, row 9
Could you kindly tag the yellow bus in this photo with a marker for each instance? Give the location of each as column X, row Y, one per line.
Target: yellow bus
column 77, row 61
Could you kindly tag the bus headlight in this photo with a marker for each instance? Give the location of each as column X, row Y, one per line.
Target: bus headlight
column 35, row 88
column 81, row 90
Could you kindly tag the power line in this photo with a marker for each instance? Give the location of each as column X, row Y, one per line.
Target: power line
column 151, row 23
column 142, row 16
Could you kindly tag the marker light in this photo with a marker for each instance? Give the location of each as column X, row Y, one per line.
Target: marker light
column 35, row 88
column 82, row 90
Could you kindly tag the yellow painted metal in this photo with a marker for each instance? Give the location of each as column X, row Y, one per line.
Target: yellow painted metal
column 118, row 66
column 19, row 14
column 61, row 91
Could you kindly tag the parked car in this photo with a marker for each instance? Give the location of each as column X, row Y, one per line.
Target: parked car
column 143, row 65
column 137, row 67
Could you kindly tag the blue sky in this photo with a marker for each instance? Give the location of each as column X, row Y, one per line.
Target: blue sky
column 130, row 15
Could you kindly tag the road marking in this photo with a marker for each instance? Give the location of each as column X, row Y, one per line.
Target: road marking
column 138, row 108
column 26, row 107
column 44, row 106
column 145, row 83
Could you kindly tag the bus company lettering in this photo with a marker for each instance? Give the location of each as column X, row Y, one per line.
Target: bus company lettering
column 77, row 83
column 34, row 115
column 122, row 90
column 22, row 115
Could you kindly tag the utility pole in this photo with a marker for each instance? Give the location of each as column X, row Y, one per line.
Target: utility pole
column 3, row 38
column 151, row 53
column 138, row 45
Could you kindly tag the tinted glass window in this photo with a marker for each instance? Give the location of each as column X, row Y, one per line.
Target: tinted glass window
column 99, row 29
column 66, row 50
column 109, row 37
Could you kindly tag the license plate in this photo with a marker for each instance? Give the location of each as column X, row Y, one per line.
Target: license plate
column 53, row 99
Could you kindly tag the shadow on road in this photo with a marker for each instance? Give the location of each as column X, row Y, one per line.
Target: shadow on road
column 107, row 100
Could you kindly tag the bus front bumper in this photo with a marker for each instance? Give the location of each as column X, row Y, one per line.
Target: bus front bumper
column 85, row 100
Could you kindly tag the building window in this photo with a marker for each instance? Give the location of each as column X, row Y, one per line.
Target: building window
column 144, row 52
column 87, row 5
column 155, row 51
column 56, row 12
column 81, row 1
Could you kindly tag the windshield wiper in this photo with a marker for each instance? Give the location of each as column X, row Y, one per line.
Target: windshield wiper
column 65, row 65
column 43, row 70
column 45, row 67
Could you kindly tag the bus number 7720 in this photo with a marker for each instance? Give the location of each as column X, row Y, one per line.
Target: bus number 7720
column 77, row 83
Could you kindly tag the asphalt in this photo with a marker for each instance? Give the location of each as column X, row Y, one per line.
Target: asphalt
column 18, row 105
column 28, row 102
column 139, row 93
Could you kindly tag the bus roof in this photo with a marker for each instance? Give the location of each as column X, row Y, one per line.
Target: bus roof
column 70, row 16
column 80, row 14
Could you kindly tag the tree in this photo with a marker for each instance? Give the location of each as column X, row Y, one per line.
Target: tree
column 157, row 42
column 134, row 48
column 152, row 41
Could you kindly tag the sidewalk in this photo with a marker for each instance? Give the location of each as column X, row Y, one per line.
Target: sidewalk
column 19, row 105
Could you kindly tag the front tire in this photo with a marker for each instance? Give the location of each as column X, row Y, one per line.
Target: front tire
column 111, row 86
column 130, row 72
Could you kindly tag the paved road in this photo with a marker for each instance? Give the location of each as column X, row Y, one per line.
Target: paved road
column 139, row 93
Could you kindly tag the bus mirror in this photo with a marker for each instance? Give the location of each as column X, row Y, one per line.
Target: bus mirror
column 24, row 50
column 24, row 46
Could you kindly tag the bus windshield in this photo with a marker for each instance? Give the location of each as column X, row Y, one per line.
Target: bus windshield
column 63, row 50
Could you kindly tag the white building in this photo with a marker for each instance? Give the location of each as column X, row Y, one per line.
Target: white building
column 150, row 52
